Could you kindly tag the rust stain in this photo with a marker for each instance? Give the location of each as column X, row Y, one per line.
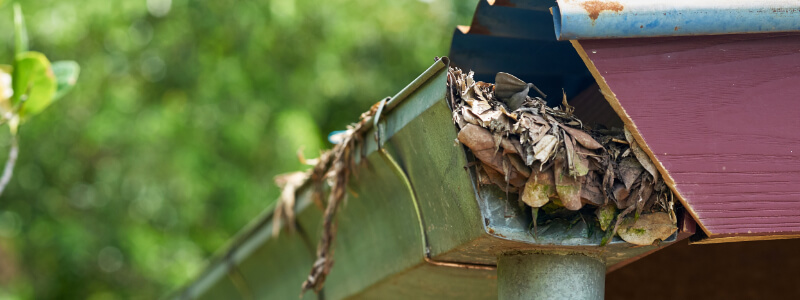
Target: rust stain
column 677, row 27
column 595, row 7
column 492, row 232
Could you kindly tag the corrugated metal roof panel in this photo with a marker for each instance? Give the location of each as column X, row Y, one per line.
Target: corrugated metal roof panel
column 517, row 37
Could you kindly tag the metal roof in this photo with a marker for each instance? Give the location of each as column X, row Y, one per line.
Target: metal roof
column 517, row 37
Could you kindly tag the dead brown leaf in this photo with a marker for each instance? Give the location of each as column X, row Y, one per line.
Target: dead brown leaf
column 568, row 188
column 641, row 155
column 583, row 138
column 539, row 189
column 629, row 170
column 647, row 229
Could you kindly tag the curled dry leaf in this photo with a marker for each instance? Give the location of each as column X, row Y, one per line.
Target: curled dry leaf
column 483, row 177
column 539, row 189
column 482, row 144
column 511, row 146
column 497, row 179
column 578, row 164
column 469, row 117
column 544, row 148
column 511, row 90
column 583, row 138
column 581, row 162
column 488, row 116
column 479, row 106
column 641, row 155
column 629, row 170
column 647, row 229
column 519, row 165
column 620, row 194
column 644, row 160
column 591, row 192
column 568, row 188
column 284, row 208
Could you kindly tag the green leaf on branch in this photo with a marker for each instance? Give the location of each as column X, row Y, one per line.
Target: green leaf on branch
column 33, row 82
column 20, row 33
column 66, row 73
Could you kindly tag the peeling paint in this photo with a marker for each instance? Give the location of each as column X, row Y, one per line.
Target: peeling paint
column 595, row 7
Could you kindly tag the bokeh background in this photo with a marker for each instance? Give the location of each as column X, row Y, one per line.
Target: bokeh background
column 183, row 114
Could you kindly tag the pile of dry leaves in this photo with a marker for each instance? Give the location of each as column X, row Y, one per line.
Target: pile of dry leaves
column 548, row 157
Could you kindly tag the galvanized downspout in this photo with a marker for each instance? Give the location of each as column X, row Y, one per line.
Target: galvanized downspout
column 592, row 19
column 550, row 276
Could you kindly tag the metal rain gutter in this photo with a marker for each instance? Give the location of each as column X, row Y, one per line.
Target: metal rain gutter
column 224, row 266
column 595, row 19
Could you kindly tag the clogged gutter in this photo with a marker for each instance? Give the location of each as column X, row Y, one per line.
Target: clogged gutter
column 555, row 163
column 543, row 154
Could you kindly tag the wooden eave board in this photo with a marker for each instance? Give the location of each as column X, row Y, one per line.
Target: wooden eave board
column 720, row 116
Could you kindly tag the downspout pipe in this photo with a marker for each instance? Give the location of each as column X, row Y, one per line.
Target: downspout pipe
column 598, row 19
column 550, row 276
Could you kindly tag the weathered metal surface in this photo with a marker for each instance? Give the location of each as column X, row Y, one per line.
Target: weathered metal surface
column 435, row 282
column 550, row 276
column 435, row 164
column 720, row 115
column 378, row 232
column 516, row 23
column 592, row 19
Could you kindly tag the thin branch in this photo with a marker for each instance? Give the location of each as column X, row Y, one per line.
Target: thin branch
column 8, row 171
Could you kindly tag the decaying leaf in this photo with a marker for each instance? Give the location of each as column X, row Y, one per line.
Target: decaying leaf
column 641, row 155
column 591, row 192
column 497, row 179
column 629, row 170
column 539, row 189
column 647, row 229
column 544, row 148
column 519, row 165
column 577, row 163
column 567, row 108
column 583, row 138
column 482, row 144
column 284, row 209
column 605, row 215
column 511, row 146
column 334, row 166
column 620, row 195
column 581, row 160
column 478, row 106
column 568, row 188
column 511, row 90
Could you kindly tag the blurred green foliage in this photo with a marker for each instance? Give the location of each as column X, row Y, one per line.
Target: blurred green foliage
column 184, row 112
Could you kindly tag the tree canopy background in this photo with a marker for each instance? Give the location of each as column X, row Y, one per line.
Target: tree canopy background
column 183, row 114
